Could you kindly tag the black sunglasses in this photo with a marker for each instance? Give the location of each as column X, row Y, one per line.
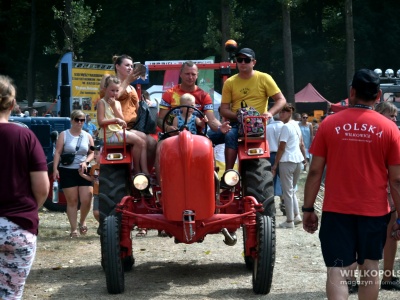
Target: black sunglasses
column 247, row 60
column 79, row 120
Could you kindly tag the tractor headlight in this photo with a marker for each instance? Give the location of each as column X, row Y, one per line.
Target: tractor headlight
column 140, row 182
column 231, row 177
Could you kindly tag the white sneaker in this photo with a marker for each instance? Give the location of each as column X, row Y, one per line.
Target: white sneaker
column 298, row 220
column 286, row 225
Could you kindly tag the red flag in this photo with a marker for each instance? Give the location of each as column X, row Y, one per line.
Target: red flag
column 171, row 78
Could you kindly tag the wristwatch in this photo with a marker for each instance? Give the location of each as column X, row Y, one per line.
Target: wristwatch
column 307, row 209
column 398, row 221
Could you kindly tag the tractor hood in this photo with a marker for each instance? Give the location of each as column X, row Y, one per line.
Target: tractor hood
column 187, row 176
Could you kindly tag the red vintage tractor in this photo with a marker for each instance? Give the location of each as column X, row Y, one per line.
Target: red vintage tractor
column 202, row 205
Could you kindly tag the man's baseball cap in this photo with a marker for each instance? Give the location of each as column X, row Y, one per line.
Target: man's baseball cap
column 367, row 83
column 246, row 51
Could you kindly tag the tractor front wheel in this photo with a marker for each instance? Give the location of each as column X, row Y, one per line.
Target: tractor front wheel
column 112, row 256
column 263, row 265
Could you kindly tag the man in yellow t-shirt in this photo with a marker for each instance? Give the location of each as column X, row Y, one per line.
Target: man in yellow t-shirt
column 255, row 88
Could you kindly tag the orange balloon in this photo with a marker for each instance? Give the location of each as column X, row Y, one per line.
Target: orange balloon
column 231, row 43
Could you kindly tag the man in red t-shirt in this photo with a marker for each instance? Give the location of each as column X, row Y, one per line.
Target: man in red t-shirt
column 360, row 150
column 171, row 99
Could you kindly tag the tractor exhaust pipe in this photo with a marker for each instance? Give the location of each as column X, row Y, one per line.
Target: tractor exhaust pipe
column 230, row 238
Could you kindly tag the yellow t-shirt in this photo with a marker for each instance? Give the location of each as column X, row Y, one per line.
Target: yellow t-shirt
column 255, row 91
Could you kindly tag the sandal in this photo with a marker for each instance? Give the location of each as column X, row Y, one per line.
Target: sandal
column 73, row 234
column 142, row 232
column 82, row 229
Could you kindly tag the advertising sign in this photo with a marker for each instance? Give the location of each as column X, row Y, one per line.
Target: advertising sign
column 85, row 89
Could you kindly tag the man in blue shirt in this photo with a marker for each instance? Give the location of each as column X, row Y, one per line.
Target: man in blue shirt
column 89, row 126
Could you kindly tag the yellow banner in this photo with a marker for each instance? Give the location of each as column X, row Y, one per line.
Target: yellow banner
column 86, row 89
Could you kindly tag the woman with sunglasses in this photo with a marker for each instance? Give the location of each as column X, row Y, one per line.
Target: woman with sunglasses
column 75, row 140
column 308, row 135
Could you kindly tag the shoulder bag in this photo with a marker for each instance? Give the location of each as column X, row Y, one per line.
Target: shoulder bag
column 252, row 126
column 68, row 158
column 146, row 120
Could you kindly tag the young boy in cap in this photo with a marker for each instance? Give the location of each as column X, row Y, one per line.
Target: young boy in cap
column 93, row 176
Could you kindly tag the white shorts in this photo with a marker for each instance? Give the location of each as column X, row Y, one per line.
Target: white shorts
column 116, row 138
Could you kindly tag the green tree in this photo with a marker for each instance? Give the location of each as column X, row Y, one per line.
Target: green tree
column 287, row 50
column 287, row 6
column 77, row 22
column 180, row 29
column 219, row 30
column 350, row 63
column 31, row 65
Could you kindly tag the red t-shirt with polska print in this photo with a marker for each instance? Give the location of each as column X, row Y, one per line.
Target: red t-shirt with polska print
column 358, row 144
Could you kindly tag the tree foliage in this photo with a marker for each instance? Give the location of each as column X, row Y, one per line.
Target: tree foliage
column 187, row 29
column 77, row 23
column 213, row 34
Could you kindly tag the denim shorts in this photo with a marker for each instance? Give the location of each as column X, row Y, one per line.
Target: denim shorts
column 232, row 136
column 216, row 137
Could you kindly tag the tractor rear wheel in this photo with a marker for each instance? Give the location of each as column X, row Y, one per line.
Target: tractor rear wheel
column 263, row 267
column 112, row 256
column 258, row 182
column 114, row 184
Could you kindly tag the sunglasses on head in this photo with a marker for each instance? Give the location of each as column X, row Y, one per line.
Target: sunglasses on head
column 247, row 60
column 77, row 120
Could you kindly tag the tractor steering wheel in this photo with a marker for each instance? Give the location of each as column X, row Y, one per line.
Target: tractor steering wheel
column 185, row 117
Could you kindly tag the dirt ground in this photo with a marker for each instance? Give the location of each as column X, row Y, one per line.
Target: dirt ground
column 70, row 269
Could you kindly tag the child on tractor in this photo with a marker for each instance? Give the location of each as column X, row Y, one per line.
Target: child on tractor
column 93, row 175
column 192, row 121
column 108, row 111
